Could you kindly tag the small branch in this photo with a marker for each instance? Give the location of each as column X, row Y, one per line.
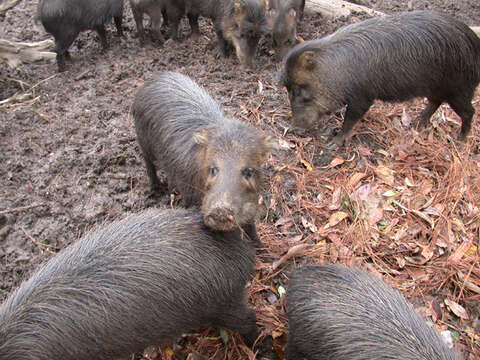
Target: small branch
column 21, row 208
column 44, row 247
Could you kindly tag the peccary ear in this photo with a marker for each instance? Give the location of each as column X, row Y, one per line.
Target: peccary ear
column 238, row 7
column 306, row 60
column 201, row 137
column 270, row 144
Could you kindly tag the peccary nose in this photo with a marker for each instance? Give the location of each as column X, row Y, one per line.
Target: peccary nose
column 220, row 219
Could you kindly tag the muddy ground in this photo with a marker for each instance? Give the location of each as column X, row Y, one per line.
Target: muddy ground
column 70, row 160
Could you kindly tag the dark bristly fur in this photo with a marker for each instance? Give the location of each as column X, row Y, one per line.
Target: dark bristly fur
column 65, row 19
column 238, row 23
column 337, row 313
column 156, row 10
column 133, row 283
column 391, row 58
column 182, row 130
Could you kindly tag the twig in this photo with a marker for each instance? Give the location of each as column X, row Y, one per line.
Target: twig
column 21, row 208
column 39, row 244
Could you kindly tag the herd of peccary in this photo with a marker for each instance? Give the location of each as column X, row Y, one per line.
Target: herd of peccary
column 149, row 278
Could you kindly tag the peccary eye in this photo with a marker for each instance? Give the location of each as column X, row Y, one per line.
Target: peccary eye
column 248, row 173
column 212, row 171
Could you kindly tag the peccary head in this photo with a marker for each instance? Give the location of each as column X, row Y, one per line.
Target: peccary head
column 313, row 85
column 284, row 34
column 243, row 25
column 230, row 161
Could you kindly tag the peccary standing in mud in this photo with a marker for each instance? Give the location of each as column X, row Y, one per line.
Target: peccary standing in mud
column 391, row 58
column 345, row 314
column 238, row 23
column 157, row 10
column 65, row 19
column 133, row 283
column 283, row 17
column 215, row 161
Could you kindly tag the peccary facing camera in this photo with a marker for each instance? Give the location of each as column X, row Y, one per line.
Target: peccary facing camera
column 156, row 10
column 391, row 58
column 238, row 24
column 283, row 17
column 215, row 161
column 133, row 283
column 345, row 314
column 65, row 19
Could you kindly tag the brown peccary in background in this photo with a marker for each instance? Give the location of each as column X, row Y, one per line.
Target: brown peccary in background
column 238, row 23
column 215, row 161
column 283, row 17
column 345, row 314
column 391, row 58
column 141, row 281
column 65, row 19
column 157, row 10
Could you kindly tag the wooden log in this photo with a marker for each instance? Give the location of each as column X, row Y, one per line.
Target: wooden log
column 15, row 53
column 337, row 8
column 7, row 5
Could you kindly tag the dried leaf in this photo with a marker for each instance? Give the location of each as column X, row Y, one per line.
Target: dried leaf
column 385, row 174
column 294, row 251
column 283, row 220
column 406, row 119
column 374, row 216
column 306, row 164
column 457, row 309
column 409, row 182
column 336, row 199
column 260, row 87
column 435, row 309
column 363, row 191
column 460, row 252
column 364, row 151
column 336, row 162
column 355, row 178
column 308, row 225
column 336, row 217
column 286, row 144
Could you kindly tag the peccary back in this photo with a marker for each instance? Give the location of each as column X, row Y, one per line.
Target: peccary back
column 345, row 314
column 130, row 284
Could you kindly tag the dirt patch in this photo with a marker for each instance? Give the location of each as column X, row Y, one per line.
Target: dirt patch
column 70, row 160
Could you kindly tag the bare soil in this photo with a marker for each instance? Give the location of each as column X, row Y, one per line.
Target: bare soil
column 70, row 160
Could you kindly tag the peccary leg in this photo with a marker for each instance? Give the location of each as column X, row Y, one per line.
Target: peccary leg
column 352, row 115
column 138, row 16
column 100, row 29
column 224, row 46
column 238, row 317
column 462, row 105
column 165, row 17
column 156, row 25
column 251, row 231
column 193, row 21
column 174, row 15
column 118, row 25
column 62, row 43
column 427, row 113
column 152, row 174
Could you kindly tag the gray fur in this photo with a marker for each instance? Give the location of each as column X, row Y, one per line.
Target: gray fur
column 337, row 313
column 136, row 282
